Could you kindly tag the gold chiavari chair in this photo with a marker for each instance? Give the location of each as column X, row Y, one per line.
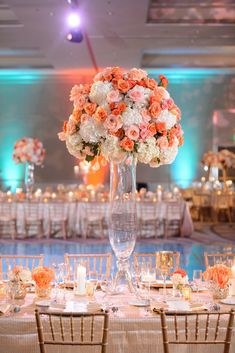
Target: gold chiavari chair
column 149, row 259
column 197, row 328
column 8, row 218
column 213, row 259
column 173, row 220
column 58, row 218
column 33, row 218
column 30, row 261
column 222, row 204
column 70, row 329
column 99, row 264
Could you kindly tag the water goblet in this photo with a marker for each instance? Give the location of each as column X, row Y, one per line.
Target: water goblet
column 197, row 278
column 165, row 264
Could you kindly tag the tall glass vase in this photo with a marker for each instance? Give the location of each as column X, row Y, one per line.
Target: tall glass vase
column 29, row 180
column 123, row 217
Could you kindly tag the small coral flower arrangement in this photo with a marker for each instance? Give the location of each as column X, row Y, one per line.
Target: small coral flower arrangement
column 179, row 279
column 218, row 277
column 43, row 277
column 19, row 273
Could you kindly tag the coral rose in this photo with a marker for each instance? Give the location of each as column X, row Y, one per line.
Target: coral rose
column 77, row 115
column 150, row 83
column 90, row 108
column 79, row 102
column 155, row 109
column 84, row 118
column 127, row 144
column 64, row 129
column 100, row 114
column 137, row 74
column 163, row 80
column 133, row 132
column 122, row 106
column 113, row 122
column 145, row 115
column 162, row 142
column 71, row 127
column 123, row 86
column 160, row 127
column 152, row 129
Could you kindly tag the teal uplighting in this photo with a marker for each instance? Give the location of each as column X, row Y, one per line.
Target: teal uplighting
column 19, row 77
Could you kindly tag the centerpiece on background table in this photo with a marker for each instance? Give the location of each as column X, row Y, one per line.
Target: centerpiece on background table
column 43, row 276
column 19, row 277
column 125, row 117
column 179, row 279
column 218, row 278
column 29, row 151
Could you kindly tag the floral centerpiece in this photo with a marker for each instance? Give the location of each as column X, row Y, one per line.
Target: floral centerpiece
column 123, row 113
column 218, row 277
column 124, row 117
column 29, row 151
column 19, row 277
column 43, row 277
column 179, row 279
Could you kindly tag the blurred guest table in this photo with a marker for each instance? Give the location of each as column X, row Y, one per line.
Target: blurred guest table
column 132, row 329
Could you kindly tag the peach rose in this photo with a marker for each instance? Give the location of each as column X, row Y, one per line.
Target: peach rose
column 137, row 74
column 86, row 88
column 145, row 115
column 120, row 133
column 71, row 127
column 162, row 142
column 152, row 129
column 117, row 72
column 113, row 122
column 79, row 102
column 160, row 126
column 145, row 134
column 62, row 136
column 127, row 144
column 136, row 96
column 65, row 123
column 84, row 118
column 90, row 108
column 100, row 114
column 114, row 96
column 123, row 85
column 133, row 132
column 163, row 80
column 160, row 93
column 122, row 106
column 77, row 115
column 150, row 83
column 155, row 109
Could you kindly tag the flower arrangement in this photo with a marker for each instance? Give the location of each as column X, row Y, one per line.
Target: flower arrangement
column 19, row 273
column 43, row 277
column 29, row 150
column 223, row 159
column 219, row 275
column 122, row 114
column 179, row 279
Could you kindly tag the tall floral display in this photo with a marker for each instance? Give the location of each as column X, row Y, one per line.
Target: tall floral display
column 126, row 117
column 29, row 151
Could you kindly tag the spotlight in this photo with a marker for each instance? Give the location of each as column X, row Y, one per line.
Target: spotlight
column 75, row 36
column 74, row 20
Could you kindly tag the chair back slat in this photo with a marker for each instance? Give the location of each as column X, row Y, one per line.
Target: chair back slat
column 217, row 331
column 7, row 262
column 59, row 329
column 219, row 258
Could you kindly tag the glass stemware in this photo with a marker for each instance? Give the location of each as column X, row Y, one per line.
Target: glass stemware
column 197, row 278
column 165, row 264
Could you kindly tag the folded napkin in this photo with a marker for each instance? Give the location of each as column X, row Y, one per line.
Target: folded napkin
column 57, row 306
column 4, row 308
column 93, row 307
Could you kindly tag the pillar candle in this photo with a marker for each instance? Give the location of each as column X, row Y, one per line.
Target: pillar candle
column 81, row 280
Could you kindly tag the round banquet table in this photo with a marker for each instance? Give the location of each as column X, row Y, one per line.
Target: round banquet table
column 130, row 330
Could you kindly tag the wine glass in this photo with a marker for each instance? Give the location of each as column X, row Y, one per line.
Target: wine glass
column 197, row 278
column 165, row 263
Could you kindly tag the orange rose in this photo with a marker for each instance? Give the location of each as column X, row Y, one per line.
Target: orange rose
column 127, row 144
column 77, row 115
column 117, row 72
column 155, row 109
column 120, row 133
column 90, row 108
column 131, row 83
column 141, row 83
column 116, row 112
column 86, row 88
column 123, row 86
column 152, row 129
column 64, row 129
column 150, row 83
column 100, row 114
column 107, row 77
column 160, row 127
column 112, row 105
column 122, row 106
column 163, row 80
column 115, row 82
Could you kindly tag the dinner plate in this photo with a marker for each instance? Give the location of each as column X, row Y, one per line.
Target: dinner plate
column 159, row 284
column 228, row 301
column 139, row 303
column 43, row 303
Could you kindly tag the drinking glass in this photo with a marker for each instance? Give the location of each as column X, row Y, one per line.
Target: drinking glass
column 197, row 278
column 165, row 264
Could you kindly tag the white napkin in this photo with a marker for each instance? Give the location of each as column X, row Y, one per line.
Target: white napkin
column 177, row 305
column 4, row 308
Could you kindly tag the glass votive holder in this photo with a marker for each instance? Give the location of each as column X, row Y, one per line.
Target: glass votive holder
column 187, row 292
column 90, row 288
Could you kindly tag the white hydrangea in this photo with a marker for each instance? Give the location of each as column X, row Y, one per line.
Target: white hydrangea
column 91, row 131
column 131, row 116
column 167, row 156
column 75, row 151
column 147, row 150
column 74, row 139
column 111, row 150
column 99, row 91
column 25, row 275
column 168, row 118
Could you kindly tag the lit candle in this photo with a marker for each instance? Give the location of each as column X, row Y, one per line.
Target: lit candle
column 232, row 287
column 70, row 196
column 81, row 280
column 187, row 292
column 53, row 195
column 76, row 169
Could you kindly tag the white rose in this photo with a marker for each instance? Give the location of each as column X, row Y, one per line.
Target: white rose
column 25, row 275
column 147, row 150
column 168, row 118
column 91, row 131
column 99, row 91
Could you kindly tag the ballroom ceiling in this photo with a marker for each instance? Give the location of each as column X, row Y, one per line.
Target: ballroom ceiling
column 151, row 34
